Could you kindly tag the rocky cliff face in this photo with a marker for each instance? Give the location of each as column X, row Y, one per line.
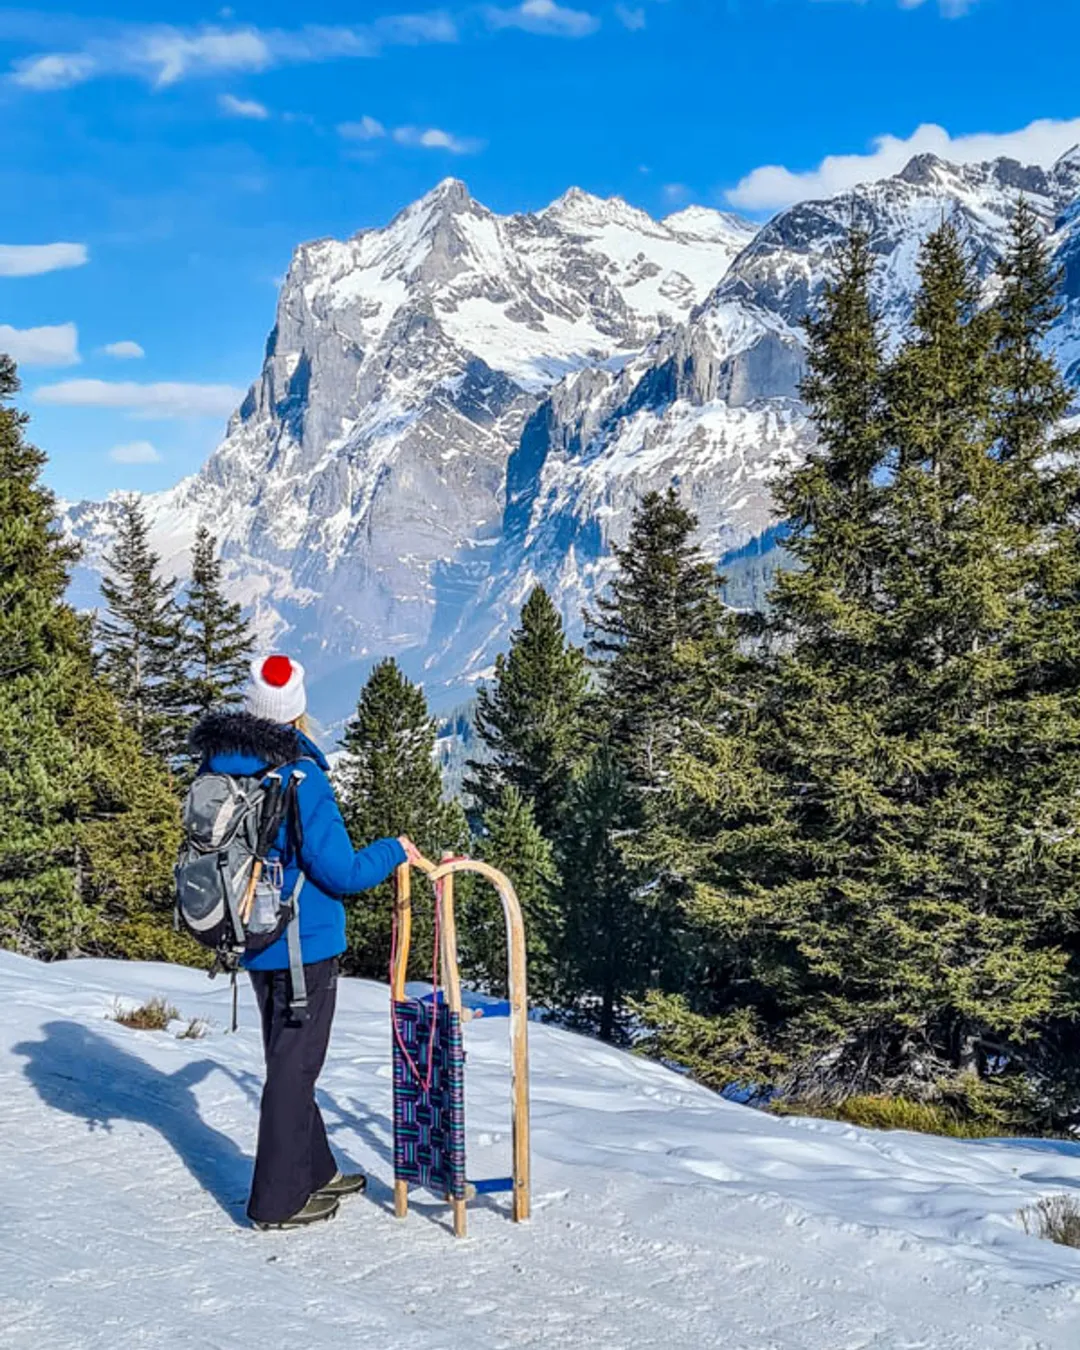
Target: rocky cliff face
column 461, row 404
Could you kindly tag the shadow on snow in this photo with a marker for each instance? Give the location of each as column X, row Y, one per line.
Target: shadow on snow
column 79, row 1072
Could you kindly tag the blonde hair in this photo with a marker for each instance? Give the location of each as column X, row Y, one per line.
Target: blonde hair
column 303, row 723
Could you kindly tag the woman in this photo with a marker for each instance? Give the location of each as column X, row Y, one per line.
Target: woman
column 297, row 1181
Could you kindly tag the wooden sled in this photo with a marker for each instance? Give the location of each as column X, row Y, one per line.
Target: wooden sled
column 429, row 1060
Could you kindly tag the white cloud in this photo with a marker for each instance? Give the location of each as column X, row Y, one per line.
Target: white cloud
column 165, row 400
column 164, row 54
column 545, row 16
column 161, row 54
column 31, row 260
column 174, row 55
column 243, row 107
column 367, row 129
column 135, row 452
column 57, row 345
column 123, row 351
column 54, row 70
column 634, row 19
column 773, row 186
column 414, row 29
column 432, row 138
column 422, row 138
column 675, row 193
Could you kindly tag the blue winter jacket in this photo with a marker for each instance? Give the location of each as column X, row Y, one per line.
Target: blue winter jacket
column 240, row 744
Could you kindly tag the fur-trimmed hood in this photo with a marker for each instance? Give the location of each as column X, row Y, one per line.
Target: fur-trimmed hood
column 238, row 733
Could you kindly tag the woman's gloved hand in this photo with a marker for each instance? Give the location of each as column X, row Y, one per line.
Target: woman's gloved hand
column 412, row 853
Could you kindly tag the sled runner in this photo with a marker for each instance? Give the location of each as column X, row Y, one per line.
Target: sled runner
column 429, row 1057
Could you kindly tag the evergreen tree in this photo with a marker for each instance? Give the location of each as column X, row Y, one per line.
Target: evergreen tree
column 531, row 718
column 904, row 909
column 126, row 838
column 88, row 827
column 946, row 957
column 140, row 645
column 217, row 639
column 666, row 657
column 1033, row 399
column 882, row 896
column 1033, row 396
column 663, row 601
column 762, row 776
column 390, row 785
column 514, row 844
column 608, row 942
column 39, row 637
column 831, row 501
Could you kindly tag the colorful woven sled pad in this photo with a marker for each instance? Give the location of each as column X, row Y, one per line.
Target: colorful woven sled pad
column 429, row 1054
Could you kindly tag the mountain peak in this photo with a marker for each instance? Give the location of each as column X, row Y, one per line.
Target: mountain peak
column 577, row 208
column 704, row 222
column 449, row 198
column 575, row 199
column 920, row 170
column 450, row 192
column 995, row 175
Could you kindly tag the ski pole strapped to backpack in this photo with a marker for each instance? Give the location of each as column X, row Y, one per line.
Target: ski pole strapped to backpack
column 228, row 889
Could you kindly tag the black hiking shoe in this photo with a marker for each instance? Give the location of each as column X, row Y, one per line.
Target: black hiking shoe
column 318, row 1208
column 344, row 1183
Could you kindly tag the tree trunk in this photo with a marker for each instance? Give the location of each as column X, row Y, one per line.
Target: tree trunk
column 607, row 1012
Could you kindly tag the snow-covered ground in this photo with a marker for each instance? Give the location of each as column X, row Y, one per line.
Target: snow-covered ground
column 664, row 1217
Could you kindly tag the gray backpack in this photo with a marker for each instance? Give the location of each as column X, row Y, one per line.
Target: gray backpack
column 228, row 891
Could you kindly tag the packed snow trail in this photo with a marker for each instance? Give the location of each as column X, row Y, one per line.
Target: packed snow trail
column 664, row 1216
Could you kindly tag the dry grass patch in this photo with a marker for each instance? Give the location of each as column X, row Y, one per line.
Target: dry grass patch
column 1055, row 1218
column 154, row 1015
column 195, row 1030
column 893, row 1113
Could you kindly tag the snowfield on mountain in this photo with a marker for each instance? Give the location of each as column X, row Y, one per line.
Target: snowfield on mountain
column 663, row 1215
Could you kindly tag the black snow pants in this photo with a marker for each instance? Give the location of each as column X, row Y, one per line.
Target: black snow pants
column 293, row 1159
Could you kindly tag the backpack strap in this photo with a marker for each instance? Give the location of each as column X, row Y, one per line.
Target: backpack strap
column 298, row 1003
column 297, row 983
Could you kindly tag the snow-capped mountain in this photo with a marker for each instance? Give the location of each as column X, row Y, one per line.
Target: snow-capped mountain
column 460, row 404
column 358, row 493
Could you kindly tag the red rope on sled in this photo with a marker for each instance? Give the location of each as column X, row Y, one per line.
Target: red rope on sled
column 426, row 1080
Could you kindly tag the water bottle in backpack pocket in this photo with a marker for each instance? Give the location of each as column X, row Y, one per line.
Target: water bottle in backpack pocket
column 266, row 906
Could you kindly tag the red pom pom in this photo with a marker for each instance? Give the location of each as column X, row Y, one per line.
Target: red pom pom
column 277, row 671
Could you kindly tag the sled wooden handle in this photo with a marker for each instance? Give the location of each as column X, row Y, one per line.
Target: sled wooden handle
column 445, row 871
column 403, row 921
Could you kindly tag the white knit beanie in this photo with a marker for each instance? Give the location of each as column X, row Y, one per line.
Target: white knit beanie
column 276, row 690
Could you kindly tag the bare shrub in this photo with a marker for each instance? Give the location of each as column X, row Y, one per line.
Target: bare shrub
column 195, row 1030
column 1055, row 1218
column 154, row 1015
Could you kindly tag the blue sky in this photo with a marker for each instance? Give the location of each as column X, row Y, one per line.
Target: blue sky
column 160, row 161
